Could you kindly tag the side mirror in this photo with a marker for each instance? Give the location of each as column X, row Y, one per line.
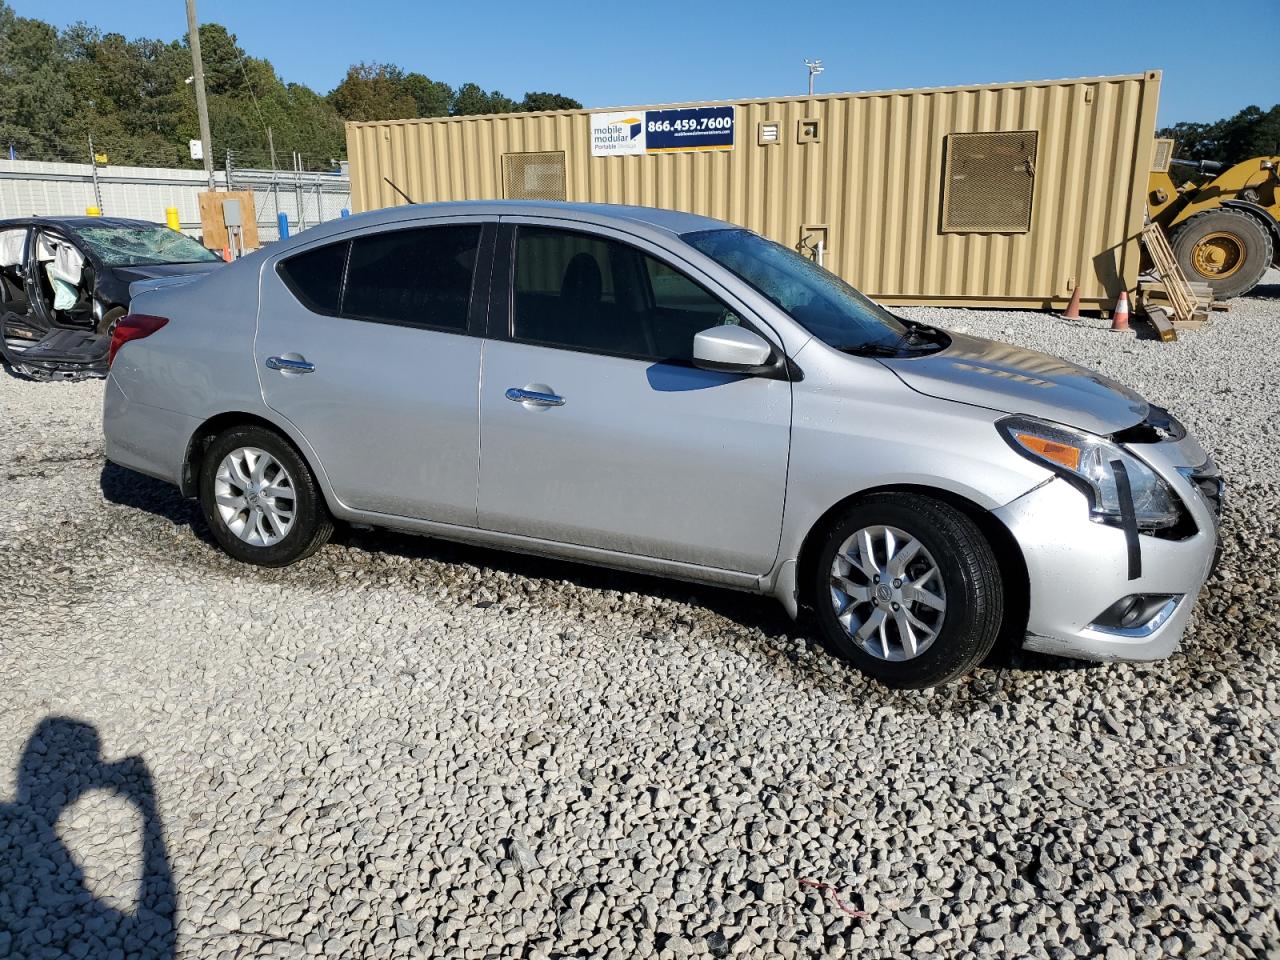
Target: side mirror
column 731, row 349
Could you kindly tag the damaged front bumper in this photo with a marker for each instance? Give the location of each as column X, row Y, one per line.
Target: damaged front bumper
column 1086, row 601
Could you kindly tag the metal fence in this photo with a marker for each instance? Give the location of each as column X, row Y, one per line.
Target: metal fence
column 305, row 198
column 39, row 188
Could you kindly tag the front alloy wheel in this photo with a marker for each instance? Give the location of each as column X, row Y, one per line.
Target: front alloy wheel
column 907, row 588
column 887, row 593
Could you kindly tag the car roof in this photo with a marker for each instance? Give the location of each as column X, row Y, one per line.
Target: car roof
column 76, row 223
column 600, row 214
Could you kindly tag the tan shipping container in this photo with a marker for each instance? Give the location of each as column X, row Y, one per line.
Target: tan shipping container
column 910, row 205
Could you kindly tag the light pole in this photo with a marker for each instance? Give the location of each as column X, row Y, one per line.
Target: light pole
column 815, row 68
column 202, row 105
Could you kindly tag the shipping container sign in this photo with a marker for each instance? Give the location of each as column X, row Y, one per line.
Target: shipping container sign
column 631, row 133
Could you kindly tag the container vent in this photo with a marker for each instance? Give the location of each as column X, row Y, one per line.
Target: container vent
column 989, row 181
column 1161, row 155
column 533, row 176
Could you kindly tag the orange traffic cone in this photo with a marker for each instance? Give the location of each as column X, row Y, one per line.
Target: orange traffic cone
column 1120, row 319
column 226, row 254
column 1073, row 308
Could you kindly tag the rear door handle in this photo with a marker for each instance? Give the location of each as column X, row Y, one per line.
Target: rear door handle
column 290, row 366
column 535, row 397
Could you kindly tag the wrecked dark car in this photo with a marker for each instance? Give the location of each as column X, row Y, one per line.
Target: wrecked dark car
column 64, row 282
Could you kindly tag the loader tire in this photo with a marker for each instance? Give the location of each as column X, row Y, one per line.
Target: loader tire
column 1227, row 249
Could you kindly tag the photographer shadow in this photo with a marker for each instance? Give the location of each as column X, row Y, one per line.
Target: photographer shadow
column 47, row 906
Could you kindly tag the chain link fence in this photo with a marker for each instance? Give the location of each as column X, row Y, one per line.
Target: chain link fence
column 306, row 199
column 53, row 189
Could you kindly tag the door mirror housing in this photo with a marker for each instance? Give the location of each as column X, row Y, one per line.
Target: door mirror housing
column 732, row 349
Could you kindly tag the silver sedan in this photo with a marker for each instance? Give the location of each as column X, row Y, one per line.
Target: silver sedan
column 666, row 393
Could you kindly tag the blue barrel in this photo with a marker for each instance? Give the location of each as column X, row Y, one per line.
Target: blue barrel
column 282, row 221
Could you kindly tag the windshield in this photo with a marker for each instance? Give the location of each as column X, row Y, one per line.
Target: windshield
column 815, row 298
column 143, row 246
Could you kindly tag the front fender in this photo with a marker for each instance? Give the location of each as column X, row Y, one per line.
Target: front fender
column 873, row 432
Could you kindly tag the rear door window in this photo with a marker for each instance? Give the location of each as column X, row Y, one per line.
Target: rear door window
column 420, row 277
column 315, row 277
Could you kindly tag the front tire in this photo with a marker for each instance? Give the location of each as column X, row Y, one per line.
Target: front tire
column 1225, row 248
column 260, row 499
column 908, row 589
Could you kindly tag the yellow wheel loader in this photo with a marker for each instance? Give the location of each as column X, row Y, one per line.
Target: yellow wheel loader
column 1223, row 224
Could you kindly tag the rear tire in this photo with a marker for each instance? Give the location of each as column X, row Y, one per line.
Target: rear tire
column 914, row 622
column 260, row 498
column 1225, row 248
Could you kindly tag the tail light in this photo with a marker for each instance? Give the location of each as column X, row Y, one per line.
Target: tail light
column 132, row 326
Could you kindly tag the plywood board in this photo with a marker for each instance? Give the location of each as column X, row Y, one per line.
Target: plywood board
column 213, row 228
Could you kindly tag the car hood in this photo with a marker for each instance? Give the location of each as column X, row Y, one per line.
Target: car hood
column 1002, row 377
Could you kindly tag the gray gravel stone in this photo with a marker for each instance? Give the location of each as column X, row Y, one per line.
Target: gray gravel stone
column 406, row 748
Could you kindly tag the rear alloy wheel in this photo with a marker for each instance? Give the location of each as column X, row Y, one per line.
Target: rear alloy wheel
column 255, row 496
column 908, row 589
column 1227, row 249
column 260, row 499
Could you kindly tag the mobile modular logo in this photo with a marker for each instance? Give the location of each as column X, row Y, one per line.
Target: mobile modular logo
column 617, row 134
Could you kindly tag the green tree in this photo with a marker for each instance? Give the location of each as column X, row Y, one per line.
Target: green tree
column 471, row 99
column 131, row 96
column 1252, row 132
column 34, row 99
column 373, row 91
column 432, row 98
column 548, row 101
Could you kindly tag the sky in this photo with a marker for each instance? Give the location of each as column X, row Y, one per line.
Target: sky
column 658, row 51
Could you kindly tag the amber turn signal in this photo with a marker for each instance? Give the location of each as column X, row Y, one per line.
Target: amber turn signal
column 1060, row 453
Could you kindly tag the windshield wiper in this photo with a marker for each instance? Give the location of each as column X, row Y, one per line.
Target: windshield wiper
column 921, row 333
column 913, row 337
column 873, row 349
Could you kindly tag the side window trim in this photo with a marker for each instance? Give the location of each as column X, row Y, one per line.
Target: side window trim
column 503, row 327
column 482, row 280
column 342, row 280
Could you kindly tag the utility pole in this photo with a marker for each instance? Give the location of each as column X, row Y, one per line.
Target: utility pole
column 815, row 68
column 202, row 105
column 275, row 187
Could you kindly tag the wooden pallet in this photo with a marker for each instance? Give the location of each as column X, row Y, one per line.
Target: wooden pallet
column 1172, row 287
column 1155, row 295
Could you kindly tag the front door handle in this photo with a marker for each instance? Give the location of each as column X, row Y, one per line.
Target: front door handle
column 537, row 398
column 287, row 365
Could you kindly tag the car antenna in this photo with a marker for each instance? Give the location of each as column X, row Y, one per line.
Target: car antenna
column 408, row 199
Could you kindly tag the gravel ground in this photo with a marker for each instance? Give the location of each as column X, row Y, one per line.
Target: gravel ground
column 405, row 748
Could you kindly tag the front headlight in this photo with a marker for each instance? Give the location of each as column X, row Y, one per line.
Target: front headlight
column 1088, row 462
